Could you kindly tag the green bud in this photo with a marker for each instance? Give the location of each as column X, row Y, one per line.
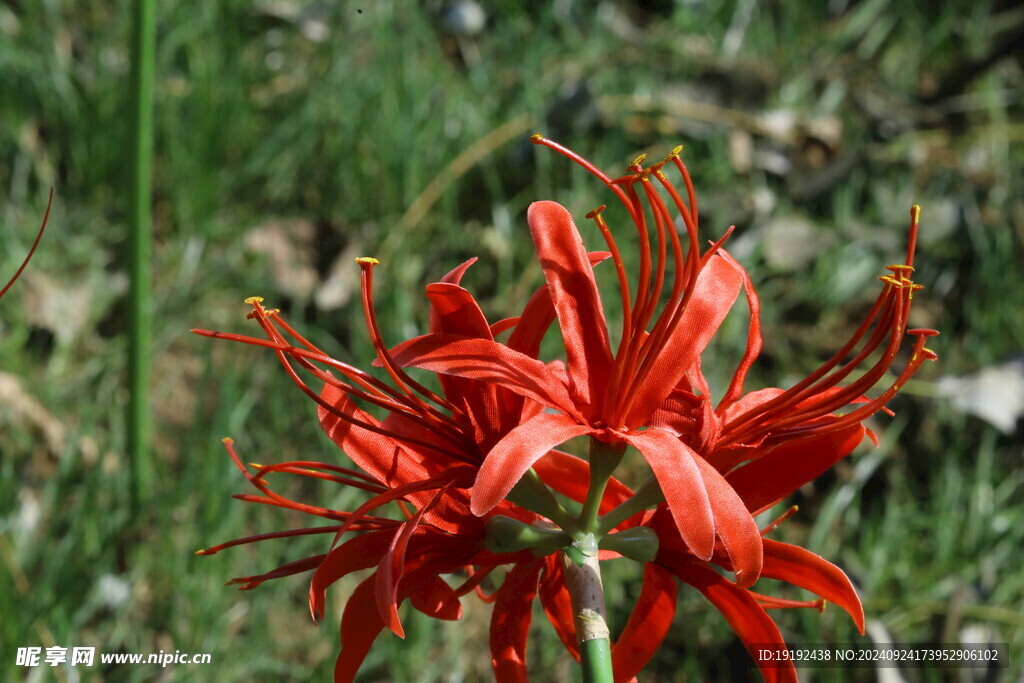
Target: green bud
column 507, row 535
column 638, row 543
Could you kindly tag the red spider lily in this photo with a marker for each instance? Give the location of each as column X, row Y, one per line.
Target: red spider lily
column 424, row 456
column 651, row 394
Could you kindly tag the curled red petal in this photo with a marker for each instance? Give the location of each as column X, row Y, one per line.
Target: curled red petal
column 716, row 289
column 392, row 568
column 765, row 481
column 375, row 453
column 510, row 622
column 754, row 341
column 454, row 310
column 454, row 276
column 508, row 461
column 734, row 525
column 748, row 619
column 361, row 552
column 435, row 598
column 573, row 289
column 487, row 360
column 360, row 624
column 648, row 624
column 803, row 568
column 554, row 598
column 681, row 482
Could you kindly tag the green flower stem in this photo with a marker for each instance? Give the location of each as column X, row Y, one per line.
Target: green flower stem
column 596, row 658
column 648, row 495
column 586, row 595
column 603, row 461
column 139, row 247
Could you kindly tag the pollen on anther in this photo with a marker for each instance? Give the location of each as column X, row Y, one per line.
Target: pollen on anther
column 915, row 213
column 536, row 138
column 254, row 300
column 898, row 267
column 227, row 441
column 596, row 212
column 639, row 160
column 367, row 260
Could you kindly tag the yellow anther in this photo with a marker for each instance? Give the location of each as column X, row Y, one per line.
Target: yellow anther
column 674, row 153
column 639, row 160
column 227, row 440
column 898, row 267
column 367, row 260
column 890, row 279
column 929, row 351
column 915, row 213
column 252, row 300
column 536, row 138
column 596, row 212
column 256, row 466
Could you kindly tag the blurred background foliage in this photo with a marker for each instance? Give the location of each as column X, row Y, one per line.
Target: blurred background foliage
column 293, row 136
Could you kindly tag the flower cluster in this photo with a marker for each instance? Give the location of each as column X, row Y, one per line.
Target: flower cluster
column 470, row 479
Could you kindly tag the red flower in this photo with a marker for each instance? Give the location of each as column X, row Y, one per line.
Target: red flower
column 650, row 393
column 471, row 467
column 424, row 455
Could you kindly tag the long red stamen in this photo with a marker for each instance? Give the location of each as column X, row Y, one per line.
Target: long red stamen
column 284, row 359
column 915, row 218
column 918, row 358
column 290, row 569
column 310, row 469
column 821, row 405
column 777, row 522
column 750, row 418
column 769, row 602
column 213, row 550
column 397, row 374
column 620, row 271
column 476, row 577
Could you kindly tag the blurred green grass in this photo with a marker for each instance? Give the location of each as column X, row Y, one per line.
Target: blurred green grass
column 341, row 119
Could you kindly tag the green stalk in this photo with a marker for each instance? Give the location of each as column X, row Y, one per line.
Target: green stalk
column 648, row 495
column 596, row 659
column 586, row 595
column 139, row 247
column 603, row 461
